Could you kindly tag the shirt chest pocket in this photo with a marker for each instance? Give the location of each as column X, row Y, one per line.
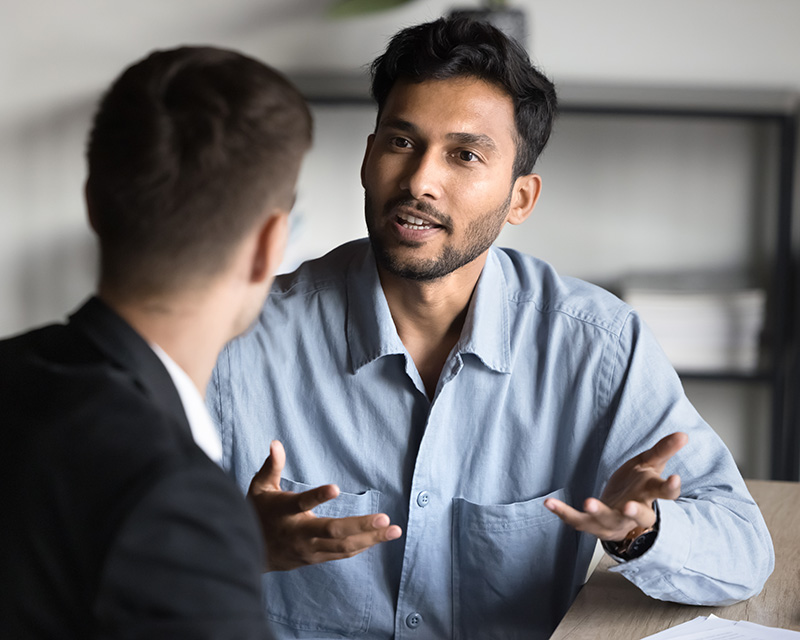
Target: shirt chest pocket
column 333, row 597
column 512, row 568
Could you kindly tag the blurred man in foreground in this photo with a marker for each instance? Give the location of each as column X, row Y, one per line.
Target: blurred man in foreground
column 117, row 520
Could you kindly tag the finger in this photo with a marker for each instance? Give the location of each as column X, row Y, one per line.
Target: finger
column 268, row 477
column 307, row 500
column 568, row 514
column 670, row 489
column 612, row 524
column 341, row 528
column 354, row 544
column 656, row 488
column 663, row 450
column 637, row 514
column 598, row 519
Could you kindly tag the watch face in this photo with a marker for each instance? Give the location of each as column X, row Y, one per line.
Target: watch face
column 640, row 545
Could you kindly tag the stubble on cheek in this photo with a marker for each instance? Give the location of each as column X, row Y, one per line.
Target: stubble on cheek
column 478, row 237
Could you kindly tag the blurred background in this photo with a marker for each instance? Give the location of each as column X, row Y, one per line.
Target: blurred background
column 671, row 177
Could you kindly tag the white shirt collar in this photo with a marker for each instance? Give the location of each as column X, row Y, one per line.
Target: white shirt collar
column 203, row 430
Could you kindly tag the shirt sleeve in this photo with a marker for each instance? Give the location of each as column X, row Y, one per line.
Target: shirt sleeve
column 186, row 563
column 713, row 547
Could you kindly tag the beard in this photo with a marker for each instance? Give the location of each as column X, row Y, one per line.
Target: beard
column 478, row 237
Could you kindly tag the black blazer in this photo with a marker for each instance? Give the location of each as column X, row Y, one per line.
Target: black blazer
column 113, row 523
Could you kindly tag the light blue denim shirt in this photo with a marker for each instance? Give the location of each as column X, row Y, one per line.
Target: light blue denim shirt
column 553, row 384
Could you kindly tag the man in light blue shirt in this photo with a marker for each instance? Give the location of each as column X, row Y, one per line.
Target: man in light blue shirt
column 461, row 397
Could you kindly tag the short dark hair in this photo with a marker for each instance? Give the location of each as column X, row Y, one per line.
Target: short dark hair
column 457, row 47
column 188, row 149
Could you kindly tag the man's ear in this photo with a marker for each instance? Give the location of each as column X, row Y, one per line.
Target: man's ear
column 524, row 195
column 270, row 244
column 370, row 140
column 90, row 212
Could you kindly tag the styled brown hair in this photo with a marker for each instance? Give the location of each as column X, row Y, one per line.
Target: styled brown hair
column 189, row 149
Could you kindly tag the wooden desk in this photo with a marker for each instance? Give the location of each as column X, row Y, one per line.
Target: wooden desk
column 611, row 608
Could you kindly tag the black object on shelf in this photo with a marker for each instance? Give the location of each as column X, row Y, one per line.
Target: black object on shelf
column 510, row 21
column 727, row 376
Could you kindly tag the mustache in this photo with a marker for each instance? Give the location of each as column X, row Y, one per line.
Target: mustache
column 436, row 216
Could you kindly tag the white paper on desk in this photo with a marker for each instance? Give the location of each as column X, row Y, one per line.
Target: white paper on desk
column 739, row 632
column 701, row 623
column 769, row 632
column 713, row 628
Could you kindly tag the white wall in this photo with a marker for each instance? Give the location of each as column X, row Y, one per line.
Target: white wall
column 53, row 50
column 57, row 57
column 617, row 197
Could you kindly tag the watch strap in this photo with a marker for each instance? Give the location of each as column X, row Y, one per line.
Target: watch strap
column 636, row 542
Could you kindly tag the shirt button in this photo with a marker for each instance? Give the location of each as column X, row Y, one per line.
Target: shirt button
column 423, row 498
column 413, row 620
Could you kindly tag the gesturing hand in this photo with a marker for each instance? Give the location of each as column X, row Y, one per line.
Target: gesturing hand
column 293, row 535
column 627, row 501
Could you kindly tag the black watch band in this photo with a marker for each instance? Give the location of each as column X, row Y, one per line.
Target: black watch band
column 635, row 543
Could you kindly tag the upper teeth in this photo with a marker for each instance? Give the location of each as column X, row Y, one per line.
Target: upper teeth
column 413, row 221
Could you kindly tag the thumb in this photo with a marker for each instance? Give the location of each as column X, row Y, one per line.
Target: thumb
column 268, row 477
column 664, row 449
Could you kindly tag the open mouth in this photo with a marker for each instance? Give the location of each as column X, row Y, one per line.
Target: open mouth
column 414, row 223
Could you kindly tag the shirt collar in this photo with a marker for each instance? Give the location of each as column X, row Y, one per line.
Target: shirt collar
column 203, row 431
column 486, row 328
column 371, row 332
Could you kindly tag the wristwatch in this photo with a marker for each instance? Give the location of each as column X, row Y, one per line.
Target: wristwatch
column 635, row 543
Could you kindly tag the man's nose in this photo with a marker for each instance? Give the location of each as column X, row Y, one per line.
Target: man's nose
column 424, row 176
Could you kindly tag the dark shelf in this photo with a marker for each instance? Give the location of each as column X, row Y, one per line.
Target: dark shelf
column 322, row 87
column 727, row 376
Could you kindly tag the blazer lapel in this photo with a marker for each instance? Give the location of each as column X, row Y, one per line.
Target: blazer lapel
column 122, row 345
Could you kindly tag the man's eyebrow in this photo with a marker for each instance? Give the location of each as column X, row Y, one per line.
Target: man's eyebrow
column 474, row 140
column 461, row 137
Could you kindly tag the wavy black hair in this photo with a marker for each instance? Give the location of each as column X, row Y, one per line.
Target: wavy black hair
column 459, row 47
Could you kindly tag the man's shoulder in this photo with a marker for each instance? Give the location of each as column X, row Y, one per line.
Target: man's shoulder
column 79, row 429
column 84, row 447
column 531, row 280
column 326, row 272
column 39, row 363
column 20, row 348
column 65, row 396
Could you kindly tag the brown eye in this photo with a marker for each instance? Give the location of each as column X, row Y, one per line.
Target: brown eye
column 467, row 156
column 399, row 142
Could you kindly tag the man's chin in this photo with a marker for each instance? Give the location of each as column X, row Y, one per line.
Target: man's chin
column 418, row 270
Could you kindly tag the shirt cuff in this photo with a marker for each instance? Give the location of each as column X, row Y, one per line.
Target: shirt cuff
column 669, row 552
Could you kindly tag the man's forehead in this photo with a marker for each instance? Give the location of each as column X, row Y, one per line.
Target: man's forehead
column 405, row 84
column 470, row 109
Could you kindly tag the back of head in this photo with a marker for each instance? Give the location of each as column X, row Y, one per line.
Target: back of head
column 457, row 47
column 189, row 150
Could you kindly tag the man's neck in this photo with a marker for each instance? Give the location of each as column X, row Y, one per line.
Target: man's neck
column 188, row 328
column 429, row 315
